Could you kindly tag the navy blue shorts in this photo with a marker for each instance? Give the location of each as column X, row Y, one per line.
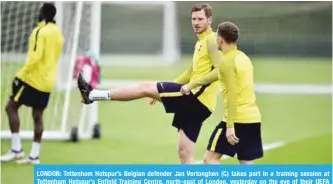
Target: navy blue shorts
column 189, row 112
column 24, row 94
column 249, row 146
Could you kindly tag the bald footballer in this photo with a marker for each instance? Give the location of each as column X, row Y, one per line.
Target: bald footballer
column 240, row 131
column 191, row 97
column 34, row 83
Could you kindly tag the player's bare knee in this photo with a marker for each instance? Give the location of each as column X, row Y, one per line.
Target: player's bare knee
column 142, row 88
column 208, row 160
column 37, row 118
column 184, row 156
column 39, row 128
column 181, row 151
column 37, row 115
column 148, row 89
column 10, row 107
column 184, row 152
column 212, row 158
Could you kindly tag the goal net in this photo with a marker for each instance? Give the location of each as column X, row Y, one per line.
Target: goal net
column 139, row 33
column 64, row 109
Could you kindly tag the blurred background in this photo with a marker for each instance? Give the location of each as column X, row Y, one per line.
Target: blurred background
column 267, row 28
column 290, row 44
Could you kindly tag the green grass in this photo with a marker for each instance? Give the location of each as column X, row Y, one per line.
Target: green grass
column 273, row 70
column 136, row 133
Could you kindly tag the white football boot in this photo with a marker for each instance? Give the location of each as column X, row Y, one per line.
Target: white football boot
column 12, row 155
column 28, row 160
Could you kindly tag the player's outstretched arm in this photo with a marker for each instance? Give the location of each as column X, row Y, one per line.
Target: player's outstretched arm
column 184, row 78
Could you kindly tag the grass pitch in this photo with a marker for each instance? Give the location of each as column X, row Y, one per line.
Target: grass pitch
column 136, row 133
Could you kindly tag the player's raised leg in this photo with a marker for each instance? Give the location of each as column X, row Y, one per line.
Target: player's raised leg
column 140, row 90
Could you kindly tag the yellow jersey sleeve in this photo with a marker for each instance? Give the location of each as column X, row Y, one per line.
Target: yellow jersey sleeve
column 228, row 72
column 206, row 79
column 215, row 56
column 213, row 51
column 184, row 78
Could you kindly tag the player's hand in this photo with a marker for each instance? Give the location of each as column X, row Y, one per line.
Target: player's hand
column 231, row 136
column 152, row 101
column 185, row 90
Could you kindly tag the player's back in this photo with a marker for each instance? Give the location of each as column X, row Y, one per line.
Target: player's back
column 45, row 47
column 203, row 64
column 247, row 109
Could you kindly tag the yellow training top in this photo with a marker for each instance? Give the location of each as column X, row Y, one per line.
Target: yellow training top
column 45, row 47
column 202, row 75
column 236, row 77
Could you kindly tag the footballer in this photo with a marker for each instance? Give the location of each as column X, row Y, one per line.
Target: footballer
column 34, row 83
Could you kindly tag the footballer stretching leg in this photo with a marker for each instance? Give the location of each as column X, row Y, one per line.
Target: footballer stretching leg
column 189, row 112
column 34, row 82
column 240, row 130
column 191, row 97
column 141, row 90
